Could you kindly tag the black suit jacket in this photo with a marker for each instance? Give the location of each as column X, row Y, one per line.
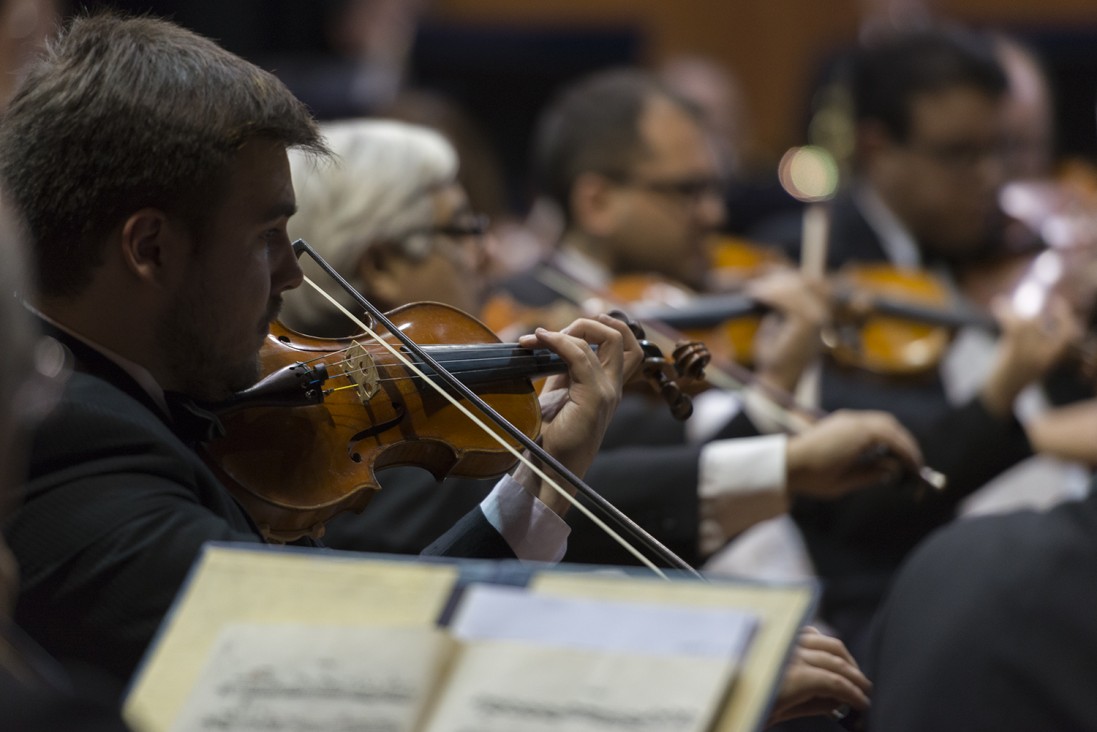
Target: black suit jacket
column 990, row 627
column 117, row 507
column 858, row 541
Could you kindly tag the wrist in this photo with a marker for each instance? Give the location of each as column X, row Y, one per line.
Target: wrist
column 544, row 490
column 998, row 395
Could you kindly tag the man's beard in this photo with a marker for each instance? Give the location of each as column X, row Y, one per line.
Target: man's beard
column 201, row 367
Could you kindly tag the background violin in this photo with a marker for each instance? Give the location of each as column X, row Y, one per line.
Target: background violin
column 883, row 319
column 777, row 404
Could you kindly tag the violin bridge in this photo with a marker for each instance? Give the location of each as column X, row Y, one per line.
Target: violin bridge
column 360, row 368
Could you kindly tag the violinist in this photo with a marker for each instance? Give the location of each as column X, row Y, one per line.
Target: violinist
column 969, row 639
column 927, row 170
column 626, row 162
column 150, row 166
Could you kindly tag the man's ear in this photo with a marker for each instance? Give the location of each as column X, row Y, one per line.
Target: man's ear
column 593, row 206
column 151, row 247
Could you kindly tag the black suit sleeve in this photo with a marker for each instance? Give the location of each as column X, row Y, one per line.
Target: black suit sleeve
column 471, row 538
column 411, row 510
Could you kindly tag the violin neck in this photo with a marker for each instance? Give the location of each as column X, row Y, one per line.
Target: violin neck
column 710, row 311
column 489, row 363
column 700, row 312
column 928, row 315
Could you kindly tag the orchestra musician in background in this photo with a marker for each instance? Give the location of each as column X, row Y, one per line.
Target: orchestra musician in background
column 927, row 120
column 627, row 163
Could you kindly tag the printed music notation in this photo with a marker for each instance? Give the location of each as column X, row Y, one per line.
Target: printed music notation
column 388, row 645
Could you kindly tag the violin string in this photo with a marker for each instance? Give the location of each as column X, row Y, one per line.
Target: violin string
column 348, row 369
column 492, row 433
column 518, row 356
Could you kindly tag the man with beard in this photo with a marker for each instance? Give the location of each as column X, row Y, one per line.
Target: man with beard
column 150, row 166
column 927, row 115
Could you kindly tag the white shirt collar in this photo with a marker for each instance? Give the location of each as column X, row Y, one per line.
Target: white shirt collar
column 581, row 267
column 896, row 239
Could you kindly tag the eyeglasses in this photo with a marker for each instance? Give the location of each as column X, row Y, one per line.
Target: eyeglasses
column 693, row 189
column 465, row 228
column 959, row 156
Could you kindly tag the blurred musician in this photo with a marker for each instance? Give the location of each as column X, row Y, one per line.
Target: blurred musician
column 928, row 123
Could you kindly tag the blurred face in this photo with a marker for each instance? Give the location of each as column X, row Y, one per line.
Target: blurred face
column 670, row 201
column 214, row 327
column 443, row 262
column 943, row 181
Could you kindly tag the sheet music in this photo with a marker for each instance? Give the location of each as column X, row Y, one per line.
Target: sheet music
column 511, row 613
column 353, row 647
column 501, row 686
column 269, row 678
column 535, row 662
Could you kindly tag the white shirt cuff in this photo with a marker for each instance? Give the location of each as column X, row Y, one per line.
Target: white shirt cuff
column 532, row 530
column 743, row 465
column 712, row 410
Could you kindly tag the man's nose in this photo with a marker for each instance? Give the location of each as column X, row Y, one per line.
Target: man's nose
column 287, row 273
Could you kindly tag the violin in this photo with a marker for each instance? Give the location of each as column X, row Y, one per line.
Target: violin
column 726, row 324
column 885, row 320
column 305, row 442
column 293, row 469
column 735, row 261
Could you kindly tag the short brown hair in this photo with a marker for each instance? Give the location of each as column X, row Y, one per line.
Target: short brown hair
column 126, row 113
column 593, row 126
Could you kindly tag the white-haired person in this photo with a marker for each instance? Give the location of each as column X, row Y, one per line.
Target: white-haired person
column 388, row 215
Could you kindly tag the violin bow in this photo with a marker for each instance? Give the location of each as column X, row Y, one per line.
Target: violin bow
column 653, row 545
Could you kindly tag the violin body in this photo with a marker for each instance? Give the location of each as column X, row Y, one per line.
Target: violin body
column 890, row 321
column 736, row 261
column 292, row 469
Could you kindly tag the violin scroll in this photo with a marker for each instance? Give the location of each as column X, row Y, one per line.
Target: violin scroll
column 689, row 361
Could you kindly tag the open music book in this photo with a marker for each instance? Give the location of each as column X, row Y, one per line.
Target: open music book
column 271, row 639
